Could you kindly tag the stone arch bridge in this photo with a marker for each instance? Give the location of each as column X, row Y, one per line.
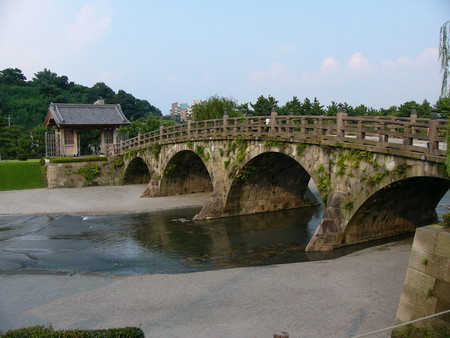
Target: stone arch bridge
column 377, row 176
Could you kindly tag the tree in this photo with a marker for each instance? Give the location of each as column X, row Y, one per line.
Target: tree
column 263, row 106
column 293, row 107
column 12, row 76
column 405, row 109
column 306, row 106
column 317, row 108
column 443, row 106
column 332, row 109
column 444, row 57
column 214, row 108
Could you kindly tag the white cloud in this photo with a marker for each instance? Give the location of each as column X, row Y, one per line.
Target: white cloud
column 91, row 23
column 329, row 63
column 359, row 62
column 278, row 72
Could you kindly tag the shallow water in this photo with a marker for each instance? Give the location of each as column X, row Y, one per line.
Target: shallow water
column 162, row 241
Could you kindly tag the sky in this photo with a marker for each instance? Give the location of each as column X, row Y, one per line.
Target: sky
column 378, row 53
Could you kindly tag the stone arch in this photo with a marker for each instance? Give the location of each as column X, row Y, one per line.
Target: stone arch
column 137, row 172
column 396, row 208
column 267, row 182
column 185, row 173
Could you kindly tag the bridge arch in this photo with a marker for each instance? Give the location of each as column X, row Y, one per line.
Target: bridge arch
column 269, row 181
column 396, row 208
column 185, row 173
column 137, row 172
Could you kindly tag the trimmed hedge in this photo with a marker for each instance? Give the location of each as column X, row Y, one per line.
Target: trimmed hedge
column 43, row 331
column 78, row 159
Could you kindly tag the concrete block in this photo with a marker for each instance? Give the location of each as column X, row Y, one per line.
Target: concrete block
column 425, row 238
column 419, row 280
column 443, row 244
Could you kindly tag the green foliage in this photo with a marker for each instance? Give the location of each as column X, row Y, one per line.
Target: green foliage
column 78, row 159
column 245, row 173
column 425, row 261
column 446, row 219
column 444, row 57
column 324, row 182
column 270, row 143
column 118, row 162
column 263, row 106
column 348, row 205
column 27, row 101
column 48, row 331
column 170, row 169
column 190, row 145
column 214, row 108
column 410, row 330
column 401, row 169
column 89, row 172
column 301, row 147
column 15, row 175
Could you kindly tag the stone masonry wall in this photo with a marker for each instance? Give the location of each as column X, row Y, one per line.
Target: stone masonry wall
column 64, row 175
column 427, row 284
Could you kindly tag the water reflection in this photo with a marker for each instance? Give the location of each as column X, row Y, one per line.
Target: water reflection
column 162, row 241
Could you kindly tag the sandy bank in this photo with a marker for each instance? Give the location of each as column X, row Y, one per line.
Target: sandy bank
column 91, row 201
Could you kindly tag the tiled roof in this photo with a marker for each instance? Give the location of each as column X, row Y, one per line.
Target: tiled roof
column 87, row 114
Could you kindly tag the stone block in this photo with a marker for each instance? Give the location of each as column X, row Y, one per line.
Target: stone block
column 442, row 290
column 443, row 244
column 426, row 303
column 405, row 313
column 409, row 295
column 425, row 238
column 432, row 265
column 419, row 280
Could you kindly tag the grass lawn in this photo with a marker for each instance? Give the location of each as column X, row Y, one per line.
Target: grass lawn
column 16, row 175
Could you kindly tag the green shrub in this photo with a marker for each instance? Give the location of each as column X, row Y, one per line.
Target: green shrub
column 89, row 171
column 78, row 159
column 42, row 331
column 446, row 219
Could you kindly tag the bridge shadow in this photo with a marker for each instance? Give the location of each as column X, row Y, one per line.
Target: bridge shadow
column 137, row 172
column 269, row 182
column 185, row 173
column 397, row 208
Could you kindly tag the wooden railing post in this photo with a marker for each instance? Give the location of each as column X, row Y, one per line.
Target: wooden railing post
column 340, row 123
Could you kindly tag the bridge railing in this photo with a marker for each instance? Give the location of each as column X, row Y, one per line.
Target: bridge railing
column 427, row 136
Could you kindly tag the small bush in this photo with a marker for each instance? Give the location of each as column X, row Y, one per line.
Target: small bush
column 446, row 219
column 89, row 171
column 78, row 159
column 42, row 331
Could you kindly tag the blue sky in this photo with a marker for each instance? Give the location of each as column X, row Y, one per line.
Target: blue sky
column 374, row 52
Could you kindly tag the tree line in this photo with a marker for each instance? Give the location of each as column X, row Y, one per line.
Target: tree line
column 215, row 106
column 24, row 104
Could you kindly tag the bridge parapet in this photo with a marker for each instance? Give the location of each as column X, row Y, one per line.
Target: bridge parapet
column 411, row 137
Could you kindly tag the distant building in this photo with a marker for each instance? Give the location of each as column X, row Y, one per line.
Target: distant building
column 182, row 111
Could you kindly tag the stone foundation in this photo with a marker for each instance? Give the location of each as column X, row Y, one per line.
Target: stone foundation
column 64, row 175
column 427, row 284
